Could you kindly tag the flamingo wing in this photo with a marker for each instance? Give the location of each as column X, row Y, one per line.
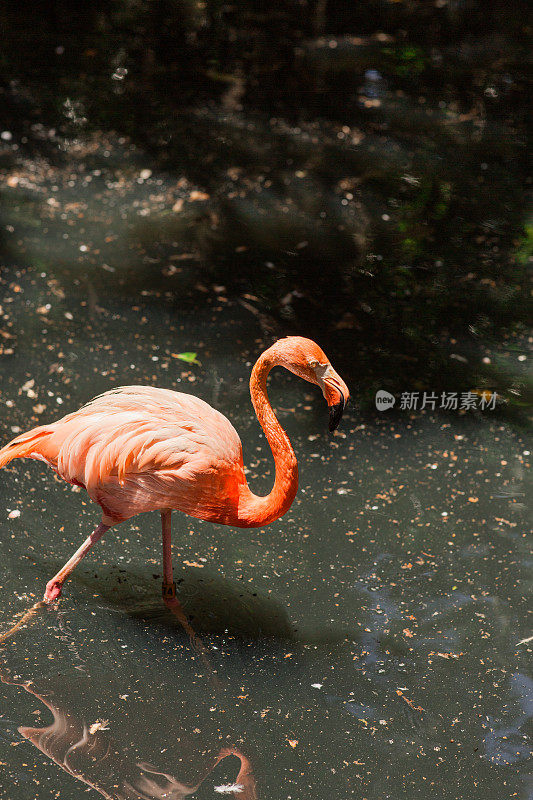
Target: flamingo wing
column 139, row 448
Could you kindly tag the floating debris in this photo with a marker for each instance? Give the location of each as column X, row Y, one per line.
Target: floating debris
column 99, row 725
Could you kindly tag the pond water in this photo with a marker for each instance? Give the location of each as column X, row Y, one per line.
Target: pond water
column 370, row 644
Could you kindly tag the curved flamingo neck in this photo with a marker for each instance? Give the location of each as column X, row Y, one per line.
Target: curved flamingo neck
column 255, row 511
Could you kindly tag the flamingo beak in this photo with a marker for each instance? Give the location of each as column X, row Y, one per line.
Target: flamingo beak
column 335, row 413
column 336, row 393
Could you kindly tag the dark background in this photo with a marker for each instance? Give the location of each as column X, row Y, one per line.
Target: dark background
column 355, row 172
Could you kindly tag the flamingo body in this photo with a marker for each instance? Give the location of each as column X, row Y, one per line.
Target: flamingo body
column 140, row 448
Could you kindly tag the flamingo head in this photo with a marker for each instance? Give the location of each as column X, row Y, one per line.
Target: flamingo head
column 306, row 359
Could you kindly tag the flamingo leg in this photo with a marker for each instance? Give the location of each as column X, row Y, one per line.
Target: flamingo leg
column 169, row 586
column 54, row 586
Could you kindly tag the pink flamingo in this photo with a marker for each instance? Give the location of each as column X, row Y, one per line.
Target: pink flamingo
column 138, row 448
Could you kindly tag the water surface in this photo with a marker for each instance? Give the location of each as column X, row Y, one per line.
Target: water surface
column 367, row 645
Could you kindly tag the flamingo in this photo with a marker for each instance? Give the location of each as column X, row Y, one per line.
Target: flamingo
column 140, row 448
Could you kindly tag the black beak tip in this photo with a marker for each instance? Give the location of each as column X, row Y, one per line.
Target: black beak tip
column 335, row 415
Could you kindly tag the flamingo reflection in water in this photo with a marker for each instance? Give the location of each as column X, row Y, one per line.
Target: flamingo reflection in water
column 89, row 753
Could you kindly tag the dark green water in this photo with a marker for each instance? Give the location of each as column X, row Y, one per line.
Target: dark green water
column 366, row 645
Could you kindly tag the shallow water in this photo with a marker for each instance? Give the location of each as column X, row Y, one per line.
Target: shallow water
column 369, row 644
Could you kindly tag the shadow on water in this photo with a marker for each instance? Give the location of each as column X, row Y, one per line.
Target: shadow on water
column 213, row 604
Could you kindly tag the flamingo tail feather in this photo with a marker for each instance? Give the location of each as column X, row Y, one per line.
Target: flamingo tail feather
column 24, row 446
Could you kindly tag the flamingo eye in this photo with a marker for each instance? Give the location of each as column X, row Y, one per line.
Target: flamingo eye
column 313, row 364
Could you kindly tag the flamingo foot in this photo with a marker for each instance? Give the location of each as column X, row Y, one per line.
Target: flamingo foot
column 53, row 591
